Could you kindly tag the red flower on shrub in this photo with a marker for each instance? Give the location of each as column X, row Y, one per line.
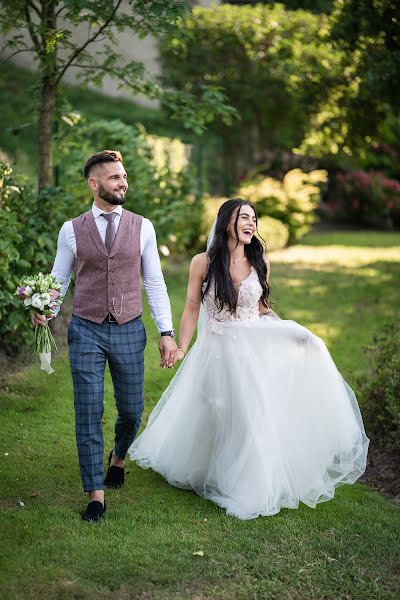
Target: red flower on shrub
column 367, row 197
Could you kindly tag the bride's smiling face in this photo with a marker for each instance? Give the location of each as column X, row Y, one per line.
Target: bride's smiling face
column 246, row 224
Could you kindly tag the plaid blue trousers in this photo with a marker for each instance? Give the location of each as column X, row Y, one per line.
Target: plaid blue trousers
column 90, row 345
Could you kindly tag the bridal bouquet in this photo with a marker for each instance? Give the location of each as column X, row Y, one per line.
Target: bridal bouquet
column 41, row 294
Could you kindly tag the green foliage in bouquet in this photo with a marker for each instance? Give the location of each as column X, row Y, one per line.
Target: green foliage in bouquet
column 274, row 232
column 380, row 389
column 292, row 201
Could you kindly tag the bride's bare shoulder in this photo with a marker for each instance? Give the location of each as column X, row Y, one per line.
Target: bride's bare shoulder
column 199, row 263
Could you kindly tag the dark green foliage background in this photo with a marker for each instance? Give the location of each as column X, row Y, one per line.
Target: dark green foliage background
column 276, row 67
column 380, row 389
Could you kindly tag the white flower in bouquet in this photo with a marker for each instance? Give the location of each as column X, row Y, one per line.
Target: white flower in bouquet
column 41, row 294
column 45, row 297
column 37, row 301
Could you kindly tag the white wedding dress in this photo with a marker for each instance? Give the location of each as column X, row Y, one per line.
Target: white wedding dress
column 257, row 418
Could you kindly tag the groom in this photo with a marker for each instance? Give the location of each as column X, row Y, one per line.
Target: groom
column 109, row 248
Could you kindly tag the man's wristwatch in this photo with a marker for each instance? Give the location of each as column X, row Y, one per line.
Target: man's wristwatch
column 170, row 333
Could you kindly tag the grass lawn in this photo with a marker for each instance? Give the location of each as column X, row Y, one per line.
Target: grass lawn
column 343, row 286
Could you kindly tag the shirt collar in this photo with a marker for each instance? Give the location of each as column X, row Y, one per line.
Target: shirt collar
column 97, row 212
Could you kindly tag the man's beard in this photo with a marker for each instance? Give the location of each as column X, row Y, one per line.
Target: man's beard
column 110, row 198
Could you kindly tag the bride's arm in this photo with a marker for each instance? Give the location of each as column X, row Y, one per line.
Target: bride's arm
column 197, row 273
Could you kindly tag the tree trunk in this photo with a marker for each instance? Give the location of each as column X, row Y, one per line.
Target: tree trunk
column 45, row 126
column 47, row 93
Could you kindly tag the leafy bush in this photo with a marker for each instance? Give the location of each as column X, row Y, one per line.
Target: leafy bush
column 29, row 223
column 380, row 389
column 273, row 232
column 367, row 199
column 292, row 201
column 161, row 179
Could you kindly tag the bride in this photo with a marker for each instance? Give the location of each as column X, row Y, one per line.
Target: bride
column 257, row 418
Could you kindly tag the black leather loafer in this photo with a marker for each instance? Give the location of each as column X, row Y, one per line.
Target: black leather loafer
column 115, row 475
column 94, row 512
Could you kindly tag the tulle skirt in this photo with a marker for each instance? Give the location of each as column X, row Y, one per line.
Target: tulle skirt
column 256, row 419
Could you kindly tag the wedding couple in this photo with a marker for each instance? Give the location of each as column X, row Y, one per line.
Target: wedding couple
column 256, row 419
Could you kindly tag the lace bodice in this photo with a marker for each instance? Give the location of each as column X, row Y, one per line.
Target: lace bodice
column 247, row 309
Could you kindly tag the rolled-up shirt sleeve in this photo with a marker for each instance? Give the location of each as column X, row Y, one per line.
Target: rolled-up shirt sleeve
column 64, row 261
column 153, row 280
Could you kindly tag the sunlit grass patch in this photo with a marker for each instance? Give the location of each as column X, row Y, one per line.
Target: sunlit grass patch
column 368, row 239
column 343, row 256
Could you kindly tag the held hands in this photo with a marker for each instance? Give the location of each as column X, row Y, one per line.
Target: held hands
column 167, row 347
column 169, row 353
column 179, row 355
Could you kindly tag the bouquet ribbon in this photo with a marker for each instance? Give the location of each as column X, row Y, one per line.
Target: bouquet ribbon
column 45, row 362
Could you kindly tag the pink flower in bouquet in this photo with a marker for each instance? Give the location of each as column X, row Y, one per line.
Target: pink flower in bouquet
column 20, row 292
column 54, row 295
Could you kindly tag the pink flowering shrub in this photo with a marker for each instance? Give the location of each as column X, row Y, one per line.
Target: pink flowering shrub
column 367, row 199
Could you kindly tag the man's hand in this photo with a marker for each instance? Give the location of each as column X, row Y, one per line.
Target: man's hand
column 38, row 319
column 167, row 348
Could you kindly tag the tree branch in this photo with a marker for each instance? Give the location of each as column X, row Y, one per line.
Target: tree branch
column 15, row 53
column 88, row 41
column 110, row 72
column 31, row 29
column 58, row 13
column 34, row 8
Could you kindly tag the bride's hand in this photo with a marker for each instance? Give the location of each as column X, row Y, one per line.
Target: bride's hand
column 179, row 355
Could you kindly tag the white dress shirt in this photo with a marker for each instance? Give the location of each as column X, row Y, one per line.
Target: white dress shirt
column 153, row 279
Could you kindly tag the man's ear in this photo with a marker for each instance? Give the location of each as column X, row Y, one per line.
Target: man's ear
column 93, row 184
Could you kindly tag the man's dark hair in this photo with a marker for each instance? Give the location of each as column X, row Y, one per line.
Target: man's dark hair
column 99, row 158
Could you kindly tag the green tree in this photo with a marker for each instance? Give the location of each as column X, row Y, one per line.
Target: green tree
column 317, row 6
column 362, row 106
column 276, row 67
column 369, row 32
column 49, row 25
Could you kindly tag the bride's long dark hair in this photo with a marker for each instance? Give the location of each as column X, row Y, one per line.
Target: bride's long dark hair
column 218, row 270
